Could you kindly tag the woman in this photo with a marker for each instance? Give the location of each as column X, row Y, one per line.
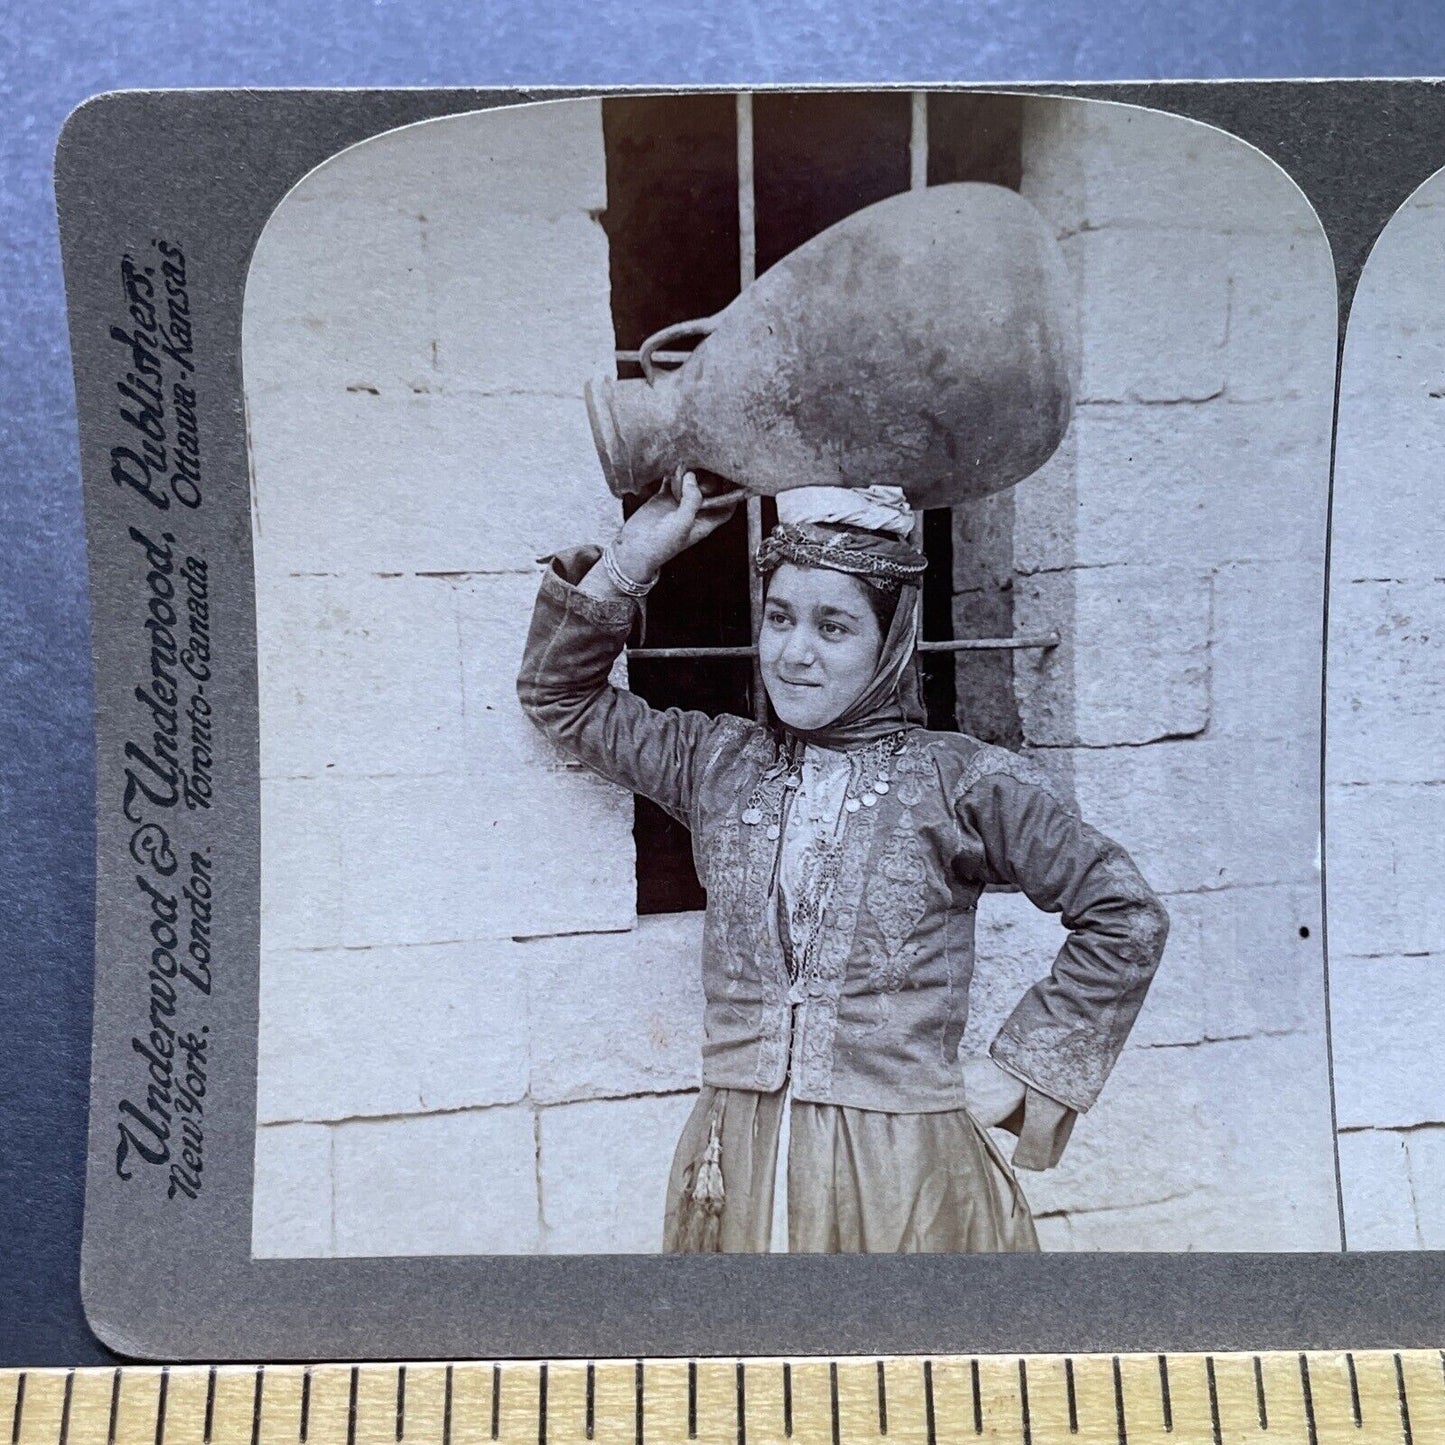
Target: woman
column 843, row 848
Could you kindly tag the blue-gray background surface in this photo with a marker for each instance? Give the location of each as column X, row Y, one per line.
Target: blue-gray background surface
column 53, row 56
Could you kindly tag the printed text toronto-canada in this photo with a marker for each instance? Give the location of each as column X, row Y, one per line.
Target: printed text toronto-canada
column 167, row 788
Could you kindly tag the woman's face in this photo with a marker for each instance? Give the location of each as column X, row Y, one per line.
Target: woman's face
column 819, row 646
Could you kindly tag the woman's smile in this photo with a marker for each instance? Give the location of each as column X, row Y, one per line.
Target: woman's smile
column 819, row 645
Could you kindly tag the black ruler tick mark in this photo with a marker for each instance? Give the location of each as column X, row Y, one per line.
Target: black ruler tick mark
column 1072, row 1397
column 256, row 1406
column 977, row 1397
column 1354, row 1389
column 447, row 1409
column 1259, row 1400
column 787, row 1400
column 351, row 1406
column 882, row 1400
column 930, row 1423
column 114, row 1406
column 496, row 1401
column 400, row 1401
column 1404, row 1403
column 1213, row 1399
column 1024, row 1402
column 1164, row 1397
column 1119, row 1421
column 637, row 1422
column 542, row 1404
column 70, row 1390
column 305, row 1404
column 692, row 1399
column 210, row 1404
column 742, row 1406
column 160, row 1407
column 1309, row 1397
column 591, row 1396
column 19, row 1410
column 833, row 1398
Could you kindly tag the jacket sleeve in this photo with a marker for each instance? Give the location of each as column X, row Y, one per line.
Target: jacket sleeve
column 1067, row 1031
column 563, row 686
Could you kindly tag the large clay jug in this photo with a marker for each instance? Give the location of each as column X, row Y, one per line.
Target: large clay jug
column 928, row 341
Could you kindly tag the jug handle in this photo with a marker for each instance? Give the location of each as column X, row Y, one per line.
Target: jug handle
column 704, row 326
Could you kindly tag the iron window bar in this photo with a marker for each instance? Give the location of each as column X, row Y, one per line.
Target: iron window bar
column 660, row 358
column 960, row 644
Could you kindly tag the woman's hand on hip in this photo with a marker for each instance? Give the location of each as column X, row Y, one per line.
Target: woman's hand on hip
column 668, row 524
column 991, row 1093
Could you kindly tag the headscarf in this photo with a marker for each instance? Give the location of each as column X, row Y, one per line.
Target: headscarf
column 892, row 700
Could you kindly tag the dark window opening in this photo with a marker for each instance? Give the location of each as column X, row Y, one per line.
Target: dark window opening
column 677, row 242
column 818, row 158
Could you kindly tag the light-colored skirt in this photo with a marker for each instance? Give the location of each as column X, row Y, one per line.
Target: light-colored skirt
column 858, row 1181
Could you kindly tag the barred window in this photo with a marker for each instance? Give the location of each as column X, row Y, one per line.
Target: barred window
column 705, row 193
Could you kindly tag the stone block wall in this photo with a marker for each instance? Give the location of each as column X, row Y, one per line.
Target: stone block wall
column 1177, row 543
column 1385, row 740
column 468, row 1043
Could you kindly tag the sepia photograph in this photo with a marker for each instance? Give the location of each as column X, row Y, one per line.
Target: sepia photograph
column 789, row 635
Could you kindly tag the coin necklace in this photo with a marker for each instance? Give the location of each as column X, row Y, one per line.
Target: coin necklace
column 765, row 802
column 821, row 861
column 871, row 779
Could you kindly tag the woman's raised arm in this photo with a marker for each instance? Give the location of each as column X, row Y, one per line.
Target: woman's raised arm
column 662, row 528
column 580, row 624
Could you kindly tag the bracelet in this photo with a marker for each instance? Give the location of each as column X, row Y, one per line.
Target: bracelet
column 628, row 586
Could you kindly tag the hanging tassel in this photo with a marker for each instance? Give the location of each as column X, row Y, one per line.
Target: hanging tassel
column 703, row 1195
column 708, row 1189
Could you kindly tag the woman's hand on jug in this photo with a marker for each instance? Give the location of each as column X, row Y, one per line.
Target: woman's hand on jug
column 670, row 522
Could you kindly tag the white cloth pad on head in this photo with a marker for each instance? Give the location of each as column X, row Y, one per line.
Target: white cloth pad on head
column 878, row 509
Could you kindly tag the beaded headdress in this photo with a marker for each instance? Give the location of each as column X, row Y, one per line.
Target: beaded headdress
column 864, row 532
column 883, row 561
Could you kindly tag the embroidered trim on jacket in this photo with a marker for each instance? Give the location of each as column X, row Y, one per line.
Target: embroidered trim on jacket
column 989, row 760
column 1071, row 1061
column 897, row 900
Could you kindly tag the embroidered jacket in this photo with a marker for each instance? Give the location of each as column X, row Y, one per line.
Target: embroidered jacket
column 881, row 1016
